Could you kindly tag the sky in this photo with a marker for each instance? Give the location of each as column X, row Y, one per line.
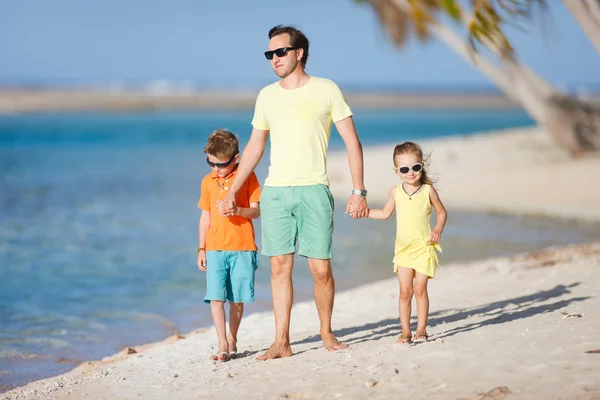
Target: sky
column 220, row 43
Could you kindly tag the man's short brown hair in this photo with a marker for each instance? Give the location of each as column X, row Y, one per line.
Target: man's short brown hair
column 222, row 144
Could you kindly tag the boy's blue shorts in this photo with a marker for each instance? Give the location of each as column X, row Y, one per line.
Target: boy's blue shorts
column 230, row 276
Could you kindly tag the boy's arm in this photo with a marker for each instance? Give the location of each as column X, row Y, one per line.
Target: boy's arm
column 387, row 210
column 203, row 228
column 440, row 212
column 251, row 212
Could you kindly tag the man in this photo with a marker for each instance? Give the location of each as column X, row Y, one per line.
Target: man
column 297, row 112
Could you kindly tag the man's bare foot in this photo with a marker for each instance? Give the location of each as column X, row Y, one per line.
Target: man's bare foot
column 331, row 343
column 276, row 351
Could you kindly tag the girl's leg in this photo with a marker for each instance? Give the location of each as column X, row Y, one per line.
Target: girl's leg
column 422, row 298
column 217, row 310
column 236, row 310
column 405, row 280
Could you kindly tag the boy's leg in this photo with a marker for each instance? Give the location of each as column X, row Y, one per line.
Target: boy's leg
column 422, row 302
column 216, row 277
column 217, row 310
column 405, row 281
column 240, row 289
column 236, row 310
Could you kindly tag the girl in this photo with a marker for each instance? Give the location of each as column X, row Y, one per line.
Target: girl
column 415, row 257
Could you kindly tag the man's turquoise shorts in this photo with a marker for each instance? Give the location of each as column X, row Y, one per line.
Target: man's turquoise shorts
column 297, row 213
column 230, row 276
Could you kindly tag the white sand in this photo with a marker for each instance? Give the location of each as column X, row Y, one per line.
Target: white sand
column 517, row 327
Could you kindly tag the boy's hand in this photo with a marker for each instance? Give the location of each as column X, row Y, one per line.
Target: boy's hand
column 435, row 236
column 227, row 206
column 201, row 261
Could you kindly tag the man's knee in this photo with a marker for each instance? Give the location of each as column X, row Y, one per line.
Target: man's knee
column 281, row 266
column 321, row 270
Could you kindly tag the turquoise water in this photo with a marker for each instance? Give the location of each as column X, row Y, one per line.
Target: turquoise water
column 98, row 228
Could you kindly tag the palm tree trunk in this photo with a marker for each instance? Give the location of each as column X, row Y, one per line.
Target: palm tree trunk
column 587, row 15
column 574, row 124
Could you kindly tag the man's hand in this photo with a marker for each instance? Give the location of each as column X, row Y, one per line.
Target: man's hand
column 435, row 236
column 227, row 206
column 201, row 261
column 357, row 206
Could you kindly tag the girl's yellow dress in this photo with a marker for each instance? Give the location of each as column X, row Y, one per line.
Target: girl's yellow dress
column 413, row 249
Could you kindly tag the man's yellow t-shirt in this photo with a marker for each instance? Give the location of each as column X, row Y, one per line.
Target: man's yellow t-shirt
column 299, row 122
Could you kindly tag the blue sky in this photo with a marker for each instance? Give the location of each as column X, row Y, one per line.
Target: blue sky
column 220, row 43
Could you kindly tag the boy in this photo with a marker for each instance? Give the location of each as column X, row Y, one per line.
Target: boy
column 227, row 251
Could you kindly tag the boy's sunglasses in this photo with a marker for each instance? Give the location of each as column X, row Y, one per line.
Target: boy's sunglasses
column 220, row 164
column 281, row 52
column 404, row 170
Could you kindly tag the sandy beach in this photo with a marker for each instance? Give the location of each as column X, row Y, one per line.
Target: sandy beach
column 520, row 327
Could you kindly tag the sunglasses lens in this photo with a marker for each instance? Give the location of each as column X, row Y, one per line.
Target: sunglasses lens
column 403, row 170
column 417, row 167
column 269, row 55
column 281, row 52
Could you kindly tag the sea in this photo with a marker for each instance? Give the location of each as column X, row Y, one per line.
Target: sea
column 99, row 225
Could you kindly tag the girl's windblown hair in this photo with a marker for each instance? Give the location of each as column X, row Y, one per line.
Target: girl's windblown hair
column 415, row 149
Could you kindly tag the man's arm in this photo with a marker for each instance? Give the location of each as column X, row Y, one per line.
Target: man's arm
column 348, row 133
column 251, row 212
column 250, row 157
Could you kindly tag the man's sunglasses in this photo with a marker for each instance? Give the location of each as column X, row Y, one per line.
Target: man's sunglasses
column 219, row 164
column 281, row 52
column 404, row 170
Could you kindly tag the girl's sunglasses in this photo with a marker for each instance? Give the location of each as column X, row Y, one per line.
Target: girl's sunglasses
column 404, row 170
column 219, row 165
column 281, row 52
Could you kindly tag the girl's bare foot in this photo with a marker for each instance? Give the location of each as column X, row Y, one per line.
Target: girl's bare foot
column 331, row 343
column 420, row 336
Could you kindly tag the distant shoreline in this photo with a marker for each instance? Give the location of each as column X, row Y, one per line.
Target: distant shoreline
column 38, row 100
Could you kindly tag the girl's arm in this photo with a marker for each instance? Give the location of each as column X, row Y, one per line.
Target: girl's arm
column 387, row 210
column 251, row 212
column 440, row 212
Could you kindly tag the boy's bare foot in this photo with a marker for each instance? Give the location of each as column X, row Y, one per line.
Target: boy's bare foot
column 331, row 343
column 276, row 351
column 405, row 338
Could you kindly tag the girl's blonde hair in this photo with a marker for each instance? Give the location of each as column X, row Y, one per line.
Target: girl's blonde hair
column 415, row 149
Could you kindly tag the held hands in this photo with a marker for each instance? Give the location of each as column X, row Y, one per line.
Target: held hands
column 227, row 206
column 357, row 207
column 435, row 236
column 201, row 261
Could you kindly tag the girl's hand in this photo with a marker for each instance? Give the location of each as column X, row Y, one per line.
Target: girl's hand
column 435, row 236
column 201, row 261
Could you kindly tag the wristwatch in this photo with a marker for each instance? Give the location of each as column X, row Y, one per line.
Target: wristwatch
column 360, row 192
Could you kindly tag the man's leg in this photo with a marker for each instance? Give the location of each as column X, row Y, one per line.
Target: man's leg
column 282, row 292
column 324, row 291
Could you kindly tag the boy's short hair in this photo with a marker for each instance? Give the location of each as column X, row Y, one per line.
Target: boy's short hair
column 222, row 144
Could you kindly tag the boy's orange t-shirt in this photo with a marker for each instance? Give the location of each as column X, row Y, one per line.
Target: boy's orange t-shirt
column 228, row 233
